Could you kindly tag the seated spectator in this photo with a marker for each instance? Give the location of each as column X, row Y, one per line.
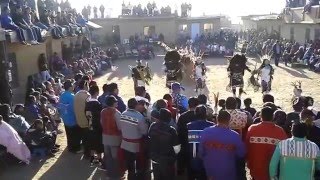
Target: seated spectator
column 17, row 122
column 8, row 24
column 10, row 139
column 81, row 20
column 47, row 21
column 32, row 110
column 62, row 21
column 72, row 23
column 36, row 21
column 307, row 7
column 37, row 137
column 17, row 17
column 19, row 110
column 43, row 68
column 27, row 18
column 46, row 111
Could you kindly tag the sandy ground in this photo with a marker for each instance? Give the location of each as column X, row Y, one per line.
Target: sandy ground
column 66, row 166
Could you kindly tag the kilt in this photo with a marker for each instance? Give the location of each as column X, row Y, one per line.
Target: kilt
column 236, row 80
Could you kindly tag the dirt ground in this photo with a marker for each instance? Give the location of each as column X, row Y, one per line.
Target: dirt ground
column 66, row 166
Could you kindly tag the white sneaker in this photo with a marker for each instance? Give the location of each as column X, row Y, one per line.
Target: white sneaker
column 34, row 43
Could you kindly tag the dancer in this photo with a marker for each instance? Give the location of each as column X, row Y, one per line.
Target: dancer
column 141, row 74
column 237, row 65
column 266, row 72
column 200, row 70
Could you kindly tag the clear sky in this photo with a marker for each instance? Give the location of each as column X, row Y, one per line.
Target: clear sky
column 232, row 8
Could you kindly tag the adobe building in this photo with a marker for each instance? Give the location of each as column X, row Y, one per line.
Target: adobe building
column 170, row 26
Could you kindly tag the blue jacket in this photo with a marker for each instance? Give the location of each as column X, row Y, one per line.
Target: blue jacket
column 181, row 101
column 7, row 23
column 195, row 129
column 121, row 105
column 66, row 109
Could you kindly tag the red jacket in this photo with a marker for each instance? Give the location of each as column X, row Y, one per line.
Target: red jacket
column 261, row 141
column 108, row 122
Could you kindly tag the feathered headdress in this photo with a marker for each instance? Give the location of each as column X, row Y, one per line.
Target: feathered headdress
column 265, row 57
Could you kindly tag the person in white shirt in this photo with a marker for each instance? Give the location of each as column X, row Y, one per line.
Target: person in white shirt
column 266, row 72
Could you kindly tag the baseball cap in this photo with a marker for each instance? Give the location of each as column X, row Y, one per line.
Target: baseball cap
column 176, row 86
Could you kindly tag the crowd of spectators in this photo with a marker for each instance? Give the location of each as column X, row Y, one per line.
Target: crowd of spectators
column 213, row 44
column 19, row 17
column 87, row 11
column 262, row 43
column 151, row 9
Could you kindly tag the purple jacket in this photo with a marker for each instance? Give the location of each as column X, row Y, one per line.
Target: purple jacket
column 220, row 148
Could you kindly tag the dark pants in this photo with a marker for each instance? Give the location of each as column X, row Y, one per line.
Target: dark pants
column 112, row 162
column 241, row 169
column 134, row 165
column 19, row 32
column 276, row 59
column 84, row 134
column 37, row 33
column 163, row 171
column 197, row 175
column 31, row 34
column 73, row 138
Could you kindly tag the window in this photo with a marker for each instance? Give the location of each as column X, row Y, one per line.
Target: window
column 116, row 29
column 208, row 27
column 183, row 28
column 316, row 34
column 149, row 30
column 292, row 33
column 307, row 35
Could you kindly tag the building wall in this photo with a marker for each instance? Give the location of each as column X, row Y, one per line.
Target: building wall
column 299, row 31
column 270, row 25
column 168, row 26
column 249, row 24
column 27, row 60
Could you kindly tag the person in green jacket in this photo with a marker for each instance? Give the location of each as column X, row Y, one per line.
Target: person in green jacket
column 298, row 157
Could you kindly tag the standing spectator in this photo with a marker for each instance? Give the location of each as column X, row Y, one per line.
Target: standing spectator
column 103, row 97
column 180, row 101
column 93, row 109
column 220, row 148
column 247, row 103
column 313, row 132
column 8, row 24
column 203, row 99
column 89, row 11
column 238, row 120
column 111, row 134
column 114, row 90
column 66, row 110
column 173, row 110
column 296, row 157
column 80, row 100
column 134, row 128
column 102, row 10
column 163, row 147
column 182, row 129
column 195, row 166
column 262, row 138
column 85, row 13
column 95, row 12
column 276, row 48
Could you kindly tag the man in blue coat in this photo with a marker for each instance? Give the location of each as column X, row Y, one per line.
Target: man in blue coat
column 195, row 165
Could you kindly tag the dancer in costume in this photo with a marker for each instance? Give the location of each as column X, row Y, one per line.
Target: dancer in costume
column 141, row 74
column 200, row 70
column 236, row 68
column 266, row 72
column 173, row 67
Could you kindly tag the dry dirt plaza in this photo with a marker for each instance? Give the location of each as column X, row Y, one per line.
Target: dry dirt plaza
column 66, row 166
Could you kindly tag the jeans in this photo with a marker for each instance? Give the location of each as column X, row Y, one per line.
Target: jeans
column 37, row 32
column 19, row 32
column 41, row 26
column 31, row 34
